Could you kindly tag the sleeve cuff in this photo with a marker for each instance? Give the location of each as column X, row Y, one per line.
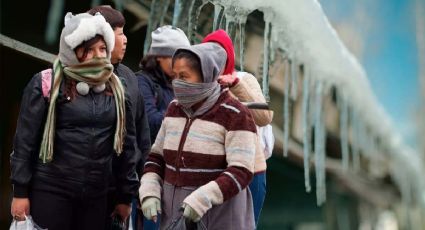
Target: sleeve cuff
column 20, row 191
column 235, row 82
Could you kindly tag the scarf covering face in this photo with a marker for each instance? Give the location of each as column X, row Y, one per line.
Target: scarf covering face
column 93, row 72
column 212, row 58
column 188, row 94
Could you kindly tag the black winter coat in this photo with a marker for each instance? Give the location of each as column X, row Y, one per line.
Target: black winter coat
column 143, row 140
column 83, row 145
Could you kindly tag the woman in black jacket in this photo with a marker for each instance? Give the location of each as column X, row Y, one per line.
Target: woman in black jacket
column 65, row 139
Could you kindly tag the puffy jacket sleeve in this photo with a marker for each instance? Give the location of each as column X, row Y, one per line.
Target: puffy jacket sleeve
column 240, row 141
column 126, row 178
column 29, row 131
column 248, row 90
column 154, row 115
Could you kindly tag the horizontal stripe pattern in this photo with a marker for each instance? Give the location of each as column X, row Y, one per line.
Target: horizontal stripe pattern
column 240, row 149
column 230, row 107
column 195, row 160
column 217, row 156
column 195, row 170
column 155, row 164
column 158, row 146
column 233, row 180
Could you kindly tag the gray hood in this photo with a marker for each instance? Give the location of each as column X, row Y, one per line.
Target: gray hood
column 212, row 57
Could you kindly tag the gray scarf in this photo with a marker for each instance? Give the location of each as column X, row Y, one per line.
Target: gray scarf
column 188, row 94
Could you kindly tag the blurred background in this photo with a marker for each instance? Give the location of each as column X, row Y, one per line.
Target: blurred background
column 387, row 37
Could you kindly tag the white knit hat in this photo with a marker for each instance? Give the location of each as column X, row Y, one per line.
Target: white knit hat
column 80, row 28
column 166, row 40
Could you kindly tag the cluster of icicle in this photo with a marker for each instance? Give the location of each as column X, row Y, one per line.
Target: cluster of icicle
column 301, row 30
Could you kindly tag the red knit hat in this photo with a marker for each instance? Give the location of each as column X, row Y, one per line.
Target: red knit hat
column 221, row 37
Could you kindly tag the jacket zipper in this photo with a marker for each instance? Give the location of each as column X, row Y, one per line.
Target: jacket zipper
column 189, row 122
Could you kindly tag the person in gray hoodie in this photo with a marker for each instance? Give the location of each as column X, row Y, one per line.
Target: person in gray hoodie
column 202, row 159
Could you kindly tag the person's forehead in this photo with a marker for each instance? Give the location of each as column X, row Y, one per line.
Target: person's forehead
column 181, row 64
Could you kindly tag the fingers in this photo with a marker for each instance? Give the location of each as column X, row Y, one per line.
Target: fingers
column 190, row 213
column 151, row 207
column 153, row 211
column 19, row 217
column 158, row 207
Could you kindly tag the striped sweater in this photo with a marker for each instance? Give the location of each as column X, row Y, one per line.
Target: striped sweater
column 214, row 152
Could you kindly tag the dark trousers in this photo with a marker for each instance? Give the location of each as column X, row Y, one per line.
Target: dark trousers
column 65, row 210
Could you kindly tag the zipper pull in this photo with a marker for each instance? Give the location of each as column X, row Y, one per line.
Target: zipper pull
column 183, row 162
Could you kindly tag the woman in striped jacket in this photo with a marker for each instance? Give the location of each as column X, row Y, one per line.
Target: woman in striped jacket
column 203, row 157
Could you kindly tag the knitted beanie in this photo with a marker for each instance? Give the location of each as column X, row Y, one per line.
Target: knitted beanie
column 166, row 40
column 80, row 28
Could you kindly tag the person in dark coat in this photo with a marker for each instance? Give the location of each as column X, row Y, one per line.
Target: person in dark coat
column 129, row 79
column 156, row 74
column 61, row 164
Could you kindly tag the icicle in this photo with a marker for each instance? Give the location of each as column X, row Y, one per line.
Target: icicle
column 231, row 22
column 266, row 61
column 368, row 138
column 194, row 12
column 343, row 128
column 53, row 21
column 286, row 112
column 176, row 13
column 164, row 12
column 181, row 14
column 222, row 24
column 319, row 147
column 306, row 129
column 241, row 44
column 359, row 136
column 241, row 23
column 355, row 141
column 218, row 16
column 231, row 27
column 152, row 23
column 95, row 3
column 118, row 5
column 294, row 79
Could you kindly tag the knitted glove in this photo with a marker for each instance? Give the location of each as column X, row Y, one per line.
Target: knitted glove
column 151, row 206
column 190, row 214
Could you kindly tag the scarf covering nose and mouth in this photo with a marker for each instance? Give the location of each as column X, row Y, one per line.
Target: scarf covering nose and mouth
column 212, row 58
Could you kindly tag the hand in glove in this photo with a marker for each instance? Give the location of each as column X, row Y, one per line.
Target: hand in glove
column 151, row 206
column 190, row 214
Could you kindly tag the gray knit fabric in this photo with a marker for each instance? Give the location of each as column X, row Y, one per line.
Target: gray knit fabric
column 79, row 28
column 166, row 40
column 213, row 59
